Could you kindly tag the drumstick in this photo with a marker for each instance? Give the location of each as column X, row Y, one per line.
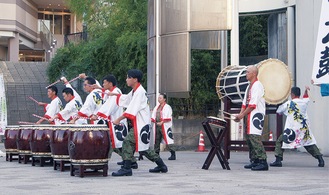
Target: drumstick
column 31, row 98
column 40, row 117
column 54, row 83
column 226, row 112
column 44, row 117
column 73, row 79
column 227, row 118
column 80, row 117
column 27, row 123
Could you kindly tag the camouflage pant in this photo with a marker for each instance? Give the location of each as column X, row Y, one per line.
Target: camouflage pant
column 129, row 146
column 158, row 139
column 256, row 148
column 119, row 152
column 312, row 149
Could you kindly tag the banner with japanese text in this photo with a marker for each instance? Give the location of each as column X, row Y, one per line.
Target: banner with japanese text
column 320, row 73
column 3, row 106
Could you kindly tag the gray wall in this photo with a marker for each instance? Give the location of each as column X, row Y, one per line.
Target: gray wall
column 187, row 132
column 307, row 20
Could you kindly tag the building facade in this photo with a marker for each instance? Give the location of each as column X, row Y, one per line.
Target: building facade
column 31, row 30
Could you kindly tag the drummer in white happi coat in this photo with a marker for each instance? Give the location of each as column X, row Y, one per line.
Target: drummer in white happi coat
column 111, row 111
column 138, row 111
column 53, row 108
column 74, row 104
column 253, row 106
column 93, row 102
column 297, row 131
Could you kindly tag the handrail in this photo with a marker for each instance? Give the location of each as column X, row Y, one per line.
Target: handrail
column 46, row 33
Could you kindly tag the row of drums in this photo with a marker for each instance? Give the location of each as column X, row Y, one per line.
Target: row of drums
column 78, row 144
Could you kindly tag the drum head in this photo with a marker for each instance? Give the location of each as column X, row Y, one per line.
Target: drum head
column 276, row 79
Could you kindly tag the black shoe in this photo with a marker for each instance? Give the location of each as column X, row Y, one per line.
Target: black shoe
column 173, row 155
column 252, row 164
column 277, row 162
column 123, row 172
column 120, row 163
column 262, row 166
column 160, row 168
column 321, row 161
column 134, row 165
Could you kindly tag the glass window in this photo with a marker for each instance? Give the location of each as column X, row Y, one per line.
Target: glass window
column 49, row 22
column 40, row 16
column 67, row 24
column 57, row 24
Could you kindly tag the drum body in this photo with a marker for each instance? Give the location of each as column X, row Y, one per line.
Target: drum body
column 59, row 142
column 23, row 141
column 89, row 144
column 232, row 83
column 40, row 141
column 10, row 139
column 272, row 73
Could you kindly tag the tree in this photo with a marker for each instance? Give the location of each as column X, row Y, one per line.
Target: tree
column 116, row 42
column 253, row 35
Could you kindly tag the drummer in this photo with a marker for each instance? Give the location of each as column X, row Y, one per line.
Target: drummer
column 74, row 104
column 110, row 111
column 93, row 102
column 253, row 105
column 138, row 112
column 53, row 108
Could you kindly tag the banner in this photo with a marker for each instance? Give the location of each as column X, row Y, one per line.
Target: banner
column 321, row 58
column 3, row 106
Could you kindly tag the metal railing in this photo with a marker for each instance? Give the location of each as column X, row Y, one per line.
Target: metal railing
column 75, row 37
column 45, row 32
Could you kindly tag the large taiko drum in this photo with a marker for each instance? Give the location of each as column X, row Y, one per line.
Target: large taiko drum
column 10, row 139
column 89, row 144
column 59, row 142
column 40, row 141
column 23, row 141
column 272, row 73
column 276, row 79
column 232, row 83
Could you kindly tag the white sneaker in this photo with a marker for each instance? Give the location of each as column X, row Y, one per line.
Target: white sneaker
column 2, row 154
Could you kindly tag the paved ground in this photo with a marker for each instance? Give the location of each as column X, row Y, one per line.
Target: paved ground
column 299, row 175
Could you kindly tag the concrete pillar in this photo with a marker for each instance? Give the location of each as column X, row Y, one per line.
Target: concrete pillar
column 291, row 48
column 3, row 53
column 13, row 48
column 235, row 33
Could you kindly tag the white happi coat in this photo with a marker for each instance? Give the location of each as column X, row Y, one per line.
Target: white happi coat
column 138, row 111
column 254, row 98
column 166, row 117
column 92, row 104
column 111, row 111
column 297, row 131
column 52, row 109
column 75, row 93
column 71, row 109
